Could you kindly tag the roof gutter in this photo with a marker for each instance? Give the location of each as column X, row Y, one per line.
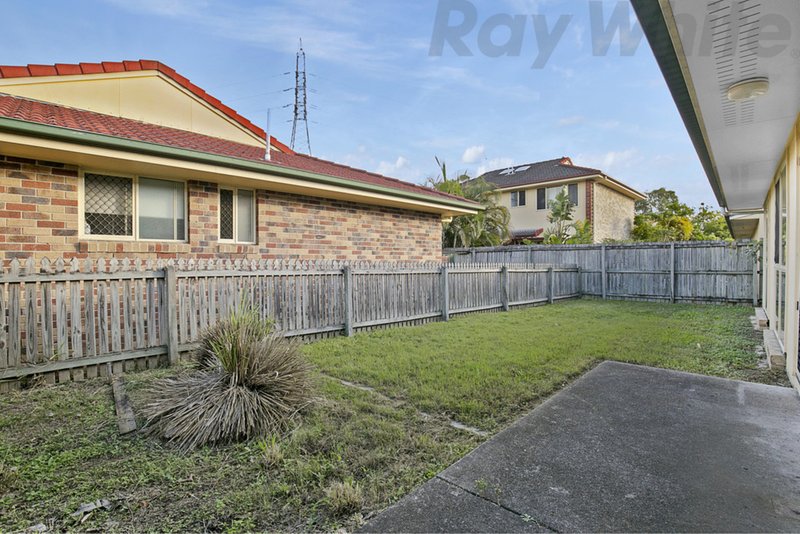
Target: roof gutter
column 57, row 133
column 654, row 22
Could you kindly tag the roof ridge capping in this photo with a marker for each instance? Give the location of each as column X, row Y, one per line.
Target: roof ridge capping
column 77, row 69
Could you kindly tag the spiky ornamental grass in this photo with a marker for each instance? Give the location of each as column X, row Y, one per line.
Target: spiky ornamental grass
column 249, row 382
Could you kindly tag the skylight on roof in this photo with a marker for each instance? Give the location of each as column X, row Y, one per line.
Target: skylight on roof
column 513, row 170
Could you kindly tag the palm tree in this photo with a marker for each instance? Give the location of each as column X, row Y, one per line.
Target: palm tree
column 489, row 227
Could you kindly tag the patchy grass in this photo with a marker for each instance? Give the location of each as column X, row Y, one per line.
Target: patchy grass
column 487, row 369
column 355, row 452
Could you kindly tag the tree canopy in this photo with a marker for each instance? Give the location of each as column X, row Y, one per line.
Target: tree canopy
column 663, row 217
column 487, row 228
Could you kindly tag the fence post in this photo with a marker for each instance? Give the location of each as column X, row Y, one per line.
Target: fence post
column 672, row 272
column 579, row 288
column 550, row 288
column 445, row 290
column 348, row 300
column 603, row 269
column 472, row 255
column 171, row 304
column 756, row 284
column 504, row 287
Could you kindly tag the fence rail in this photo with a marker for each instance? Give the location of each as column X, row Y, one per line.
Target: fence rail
column 70, row 320
column 687, row 271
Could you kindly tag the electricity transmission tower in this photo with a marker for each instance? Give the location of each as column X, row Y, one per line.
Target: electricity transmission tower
column 300, row 97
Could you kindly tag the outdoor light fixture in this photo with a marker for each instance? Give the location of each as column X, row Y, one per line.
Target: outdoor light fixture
column 747, row 89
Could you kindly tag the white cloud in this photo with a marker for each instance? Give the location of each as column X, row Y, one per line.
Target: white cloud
column 278, row 27
column 397, row 169
column 614, row 160
column 571, row 121
column 473, row 154
column 494, row 164
column 437, row 78
column 578, row 31
column 565, row 72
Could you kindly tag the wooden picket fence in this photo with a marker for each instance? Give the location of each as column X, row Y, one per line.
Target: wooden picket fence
column 75, row 320
column 704, row 271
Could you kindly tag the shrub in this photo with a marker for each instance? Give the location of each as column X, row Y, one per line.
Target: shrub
column 344, row 497
column 249, row 381
column 271, row 452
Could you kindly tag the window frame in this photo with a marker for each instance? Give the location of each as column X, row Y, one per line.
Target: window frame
column 779, row 264
column 134, row 208
column 520, row 194
column 541, row 192
column 254, row 218
column 561, row 187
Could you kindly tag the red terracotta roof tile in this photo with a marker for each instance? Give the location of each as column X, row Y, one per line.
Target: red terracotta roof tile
column 88, row 121
column 42, row 70
column 132, row 65
column 91, row 68
column 113, row 66
column 14, row 72
column 63, row 69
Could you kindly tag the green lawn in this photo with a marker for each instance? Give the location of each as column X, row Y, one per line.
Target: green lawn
column 486, row 370
column 59, row 447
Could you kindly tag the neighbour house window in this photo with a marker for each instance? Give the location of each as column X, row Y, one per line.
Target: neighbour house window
column 546, row 195
column 517, row 198
column 108, row 205
column 541, row 201
column 572, row 190
column 237, row 215
column 159, row 211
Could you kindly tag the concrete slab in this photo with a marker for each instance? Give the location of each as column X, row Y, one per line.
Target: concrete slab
column 439, row 506
column 630, row 448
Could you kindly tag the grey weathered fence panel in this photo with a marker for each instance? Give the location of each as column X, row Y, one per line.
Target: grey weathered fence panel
column 98, row 313
column 683, row 271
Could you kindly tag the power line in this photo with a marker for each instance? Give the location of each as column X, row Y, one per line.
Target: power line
column 300, row 97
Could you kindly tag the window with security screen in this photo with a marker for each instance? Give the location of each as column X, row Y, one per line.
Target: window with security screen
column 237, row 215
column 108, row 205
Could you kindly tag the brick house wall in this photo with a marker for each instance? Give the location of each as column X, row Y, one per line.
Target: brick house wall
column 39, row 212
column 612, row 214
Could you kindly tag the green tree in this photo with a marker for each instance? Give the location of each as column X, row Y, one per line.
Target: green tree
column 584, row 235
column 489, row 227
column 563, row 229
column 663, row 217
column 709, row 225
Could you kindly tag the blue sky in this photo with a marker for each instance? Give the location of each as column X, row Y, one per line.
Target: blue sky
column 382, row 101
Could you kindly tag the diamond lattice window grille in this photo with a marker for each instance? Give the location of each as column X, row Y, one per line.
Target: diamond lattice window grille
column 108, row 205
column 225, row 214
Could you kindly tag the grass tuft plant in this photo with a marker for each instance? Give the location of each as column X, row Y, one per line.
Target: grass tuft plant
column 250, row 382
column 344, row 498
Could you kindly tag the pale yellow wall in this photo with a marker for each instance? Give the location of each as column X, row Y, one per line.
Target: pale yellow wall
column 529, row 218
column 613, row 214
column 767, row 232
column 146, row 96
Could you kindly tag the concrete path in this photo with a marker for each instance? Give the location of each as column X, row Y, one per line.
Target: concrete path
column 626, row 448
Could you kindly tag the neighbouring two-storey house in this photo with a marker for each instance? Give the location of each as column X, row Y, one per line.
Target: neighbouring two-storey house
column 526, row 190
column 132, row 159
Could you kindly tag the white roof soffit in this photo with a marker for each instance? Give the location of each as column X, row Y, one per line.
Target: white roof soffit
column 725, row 42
